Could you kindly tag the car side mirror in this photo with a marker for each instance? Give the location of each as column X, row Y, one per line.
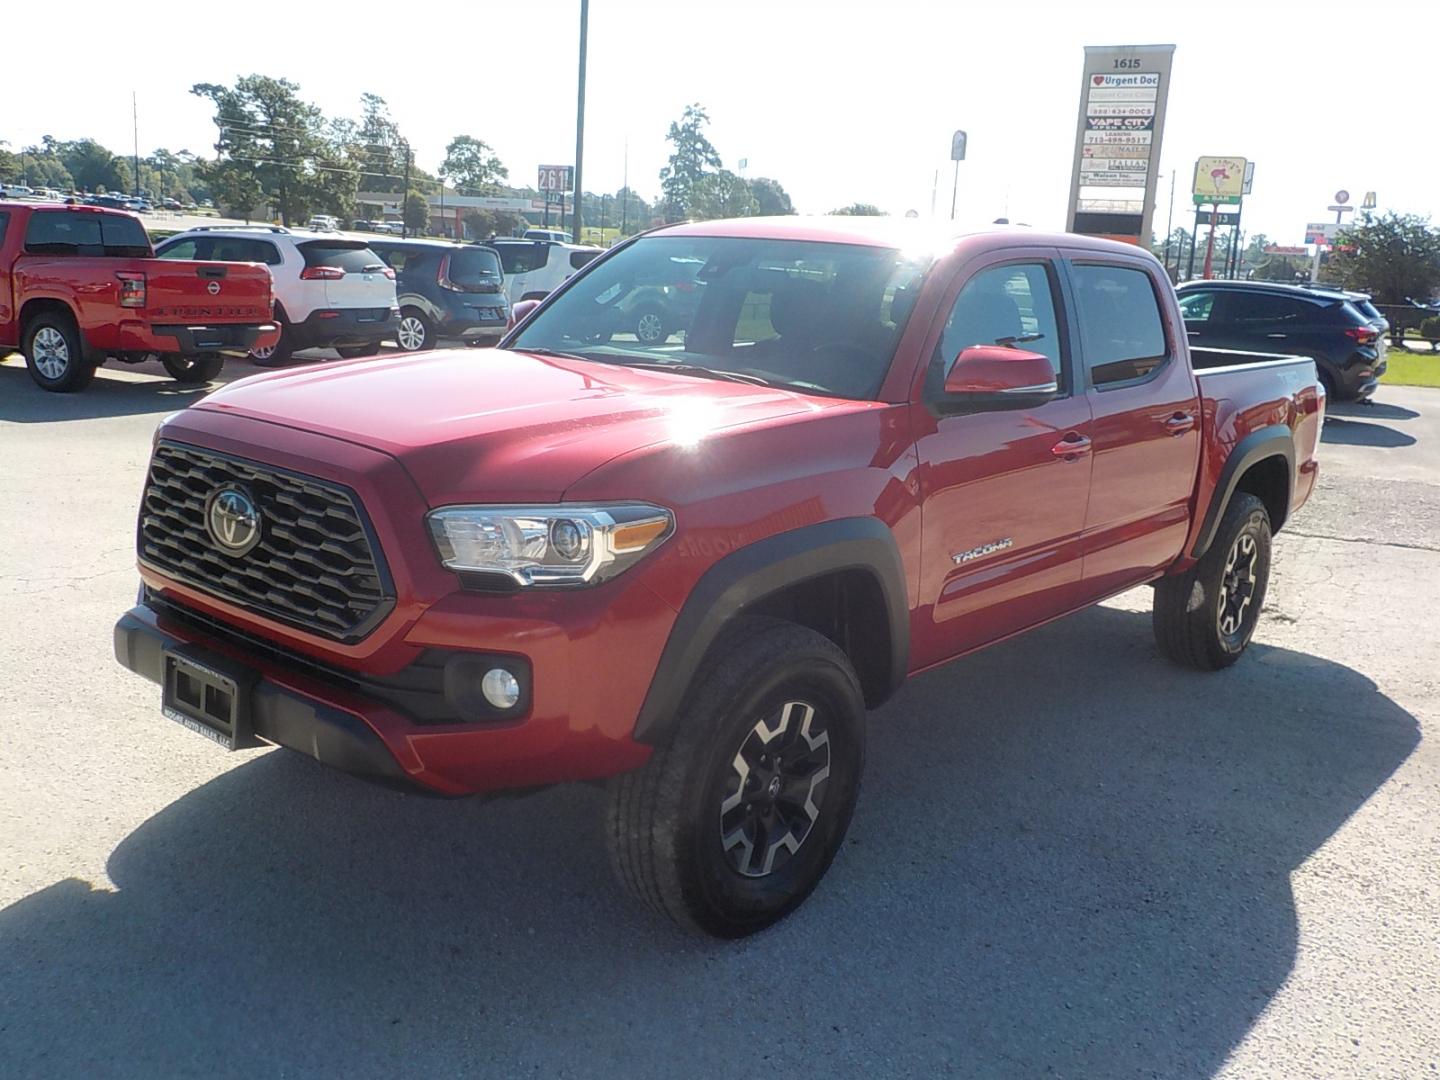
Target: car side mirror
column 987, row 378
column 521, row 311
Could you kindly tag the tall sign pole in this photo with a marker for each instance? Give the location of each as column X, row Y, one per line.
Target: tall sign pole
column 576, row 220
column 957, row 155
column 1123, row 90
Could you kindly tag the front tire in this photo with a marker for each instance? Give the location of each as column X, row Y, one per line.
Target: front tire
column 730, row 826
column 1204, row 619
column 192, row 370
column 55, row 354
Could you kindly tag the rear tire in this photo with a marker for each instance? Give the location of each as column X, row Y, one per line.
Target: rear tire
column 354, row 352
column 415, row 332
column 732, row 824
column 1204, row 619
column 650, row 325
column 55, row 354
column 192, row 370
column 278, row 353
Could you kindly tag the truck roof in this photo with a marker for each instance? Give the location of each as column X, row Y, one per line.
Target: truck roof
column 889, row 232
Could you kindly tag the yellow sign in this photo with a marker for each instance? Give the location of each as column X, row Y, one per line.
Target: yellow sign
column 1219, row 178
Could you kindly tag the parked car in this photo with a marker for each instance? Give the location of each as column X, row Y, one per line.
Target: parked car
column 80, row 285
column 330, row 291
column 16, row 191
column 1303, row 320
column 323, row 223
column 657, row 302
column 535, row 268
column 446, row 292
column 690, row 573
column 557, row 236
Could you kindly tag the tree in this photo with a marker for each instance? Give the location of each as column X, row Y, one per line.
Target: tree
column 859, row 209
column 722, row 195
column 417, row 213
column 482, row 224
column 381, row 148
column 770, row 198
column 90, row 165
column 473, row 166
column 692, row 156
column 1392, row 257
column 300, row 162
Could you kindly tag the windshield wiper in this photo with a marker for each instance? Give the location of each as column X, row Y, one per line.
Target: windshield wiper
column 552, row 352
column 697, row 370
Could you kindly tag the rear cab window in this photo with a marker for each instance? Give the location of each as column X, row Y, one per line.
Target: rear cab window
column 4, row 224
column 1122, row 335
column 74, row 233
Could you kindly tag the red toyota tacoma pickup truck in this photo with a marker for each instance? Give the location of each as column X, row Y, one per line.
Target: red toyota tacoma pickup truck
column 690, row 566
column 79, row 285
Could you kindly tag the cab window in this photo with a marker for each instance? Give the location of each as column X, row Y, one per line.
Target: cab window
column 1011, row 305
column 1121, row 332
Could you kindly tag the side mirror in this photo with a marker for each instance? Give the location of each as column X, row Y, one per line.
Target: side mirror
column 521, row 311
column 994, row 377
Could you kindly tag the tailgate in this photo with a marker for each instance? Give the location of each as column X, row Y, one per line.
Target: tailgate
column 210, row 292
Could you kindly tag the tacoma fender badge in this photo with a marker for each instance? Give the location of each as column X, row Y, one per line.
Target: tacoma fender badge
column 984, row 549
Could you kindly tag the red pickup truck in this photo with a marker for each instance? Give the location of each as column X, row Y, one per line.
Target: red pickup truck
column 689, row 566
column 79, row 285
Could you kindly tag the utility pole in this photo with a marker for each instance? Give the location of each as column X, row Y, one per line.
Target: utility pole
column 625, row 206
column 405, row 196
column 135, row 120
column 578, row 216
column 1170, row 227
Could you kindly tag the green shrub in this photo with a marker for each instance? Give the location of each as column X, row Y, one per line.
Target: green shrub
column 1430, row 328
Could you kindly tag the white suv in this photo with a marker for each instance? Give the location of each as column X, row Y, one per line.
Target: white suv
column 330, row 291
column 536, row 268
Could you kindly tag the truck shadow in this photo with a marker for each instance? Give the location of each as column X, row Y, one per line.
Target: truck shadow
column 22, row 402
column 1069, row 856
column 1347, row 432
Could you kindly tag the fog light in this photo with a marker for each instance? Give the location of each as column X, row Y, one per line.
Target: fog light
column 501, row 689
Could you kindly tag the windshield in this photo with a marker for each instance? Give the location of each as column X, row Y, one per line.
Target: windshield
column 818, row 317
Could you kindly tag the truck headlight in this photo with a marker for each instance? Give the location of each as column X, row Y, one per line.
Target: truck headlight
column 547, row 545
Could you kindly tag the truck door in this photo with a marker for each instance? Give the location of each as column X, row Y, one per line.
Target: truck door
column 1146, row 421
column 1003, row 492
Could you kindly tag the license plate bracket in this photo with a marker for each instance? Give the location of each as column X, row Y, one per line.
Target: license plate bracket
column 208, row 694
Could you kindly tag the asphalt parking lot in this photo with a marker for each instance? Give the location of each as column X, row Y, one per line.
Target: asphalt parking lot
column 1070, row 858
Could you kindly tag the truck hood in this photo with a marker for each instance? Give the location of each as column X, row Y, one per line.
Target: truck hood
column 501, row 425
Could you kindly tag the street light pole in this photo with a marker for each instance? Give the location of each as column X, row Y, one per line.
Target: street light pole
column 405, row 197
column 578, row 214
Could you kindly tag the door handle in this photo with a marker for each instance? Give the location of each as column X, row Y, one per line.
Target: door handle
column 1277, row 335
column 1180, row 423
column 1071, row 447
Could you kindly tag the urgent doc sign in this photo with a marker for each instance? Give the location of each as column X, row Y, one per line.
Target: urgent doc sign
column 1117, row 140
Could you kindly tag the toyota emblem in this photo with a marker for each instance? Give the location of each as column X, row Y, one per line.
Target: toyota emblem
column 233, row 520
column 214, row 288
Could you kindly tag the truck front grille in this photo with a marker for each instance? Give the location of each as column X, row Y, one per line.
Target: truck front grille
column 315, row 564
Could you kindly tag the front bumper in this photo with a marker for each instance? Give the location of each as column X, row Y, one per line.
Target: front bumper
column 404, row 729
column 329, row 732
column 227, row 339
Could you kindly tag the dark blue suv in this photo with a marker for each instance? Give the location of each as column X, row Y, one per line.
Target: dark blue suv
column 446, row 291
column 1326, row 324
